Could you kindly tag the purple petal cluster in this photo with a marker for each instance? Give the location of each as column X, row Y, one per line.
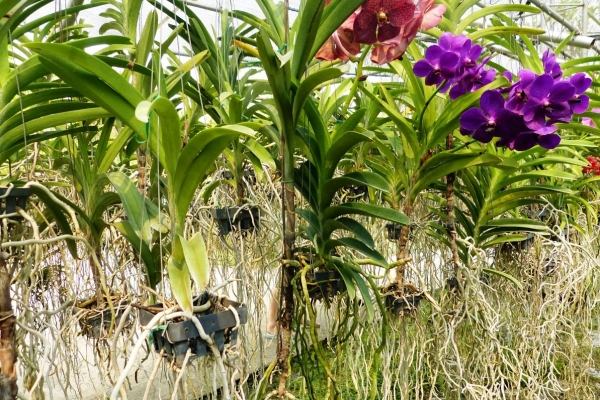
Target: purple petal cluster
column 454, row 63
column 534, row 105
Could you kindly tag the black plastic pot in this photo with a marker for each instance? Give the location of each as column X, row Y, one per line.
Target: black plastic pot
column 324, row 284
column 95, row 324
column 235, row 219
column 177, row 337
column 393, row 231
column 401, row 305
column 17, row 197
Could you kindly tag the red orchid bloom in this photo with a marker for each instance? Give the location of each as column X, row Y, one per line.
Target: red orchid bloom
column 381, row 20
column 341, row 45
column 593, row 167
column 426, row 16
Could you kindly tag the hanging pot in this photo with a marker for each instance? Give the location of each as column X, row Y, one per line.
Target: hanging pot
column 95, row 323
column 17, row 197
column 177, row 337
column 401, row 305
column 230, row 219
column 393, row 231
column 324, row 284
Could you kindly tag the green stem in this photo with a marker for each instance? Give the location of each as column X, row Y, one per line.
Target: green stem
column 359, row 69
column 462, row 146
column 429, row 102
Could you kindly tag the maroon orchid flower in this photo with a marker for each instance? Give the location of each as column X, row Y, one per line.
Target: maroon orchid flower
column 342, row 44
column 381, row 20
column 426, row 16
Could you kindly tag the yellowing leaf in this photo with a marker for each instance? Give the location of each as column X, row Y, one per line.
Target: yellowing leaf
column 143, row 110
column 180, row 284
column 196, row 259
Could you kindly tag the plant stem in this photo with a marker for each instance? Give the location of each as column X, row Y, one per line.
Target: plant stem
column 429, row 100
column 402, row 243
column 359, row 69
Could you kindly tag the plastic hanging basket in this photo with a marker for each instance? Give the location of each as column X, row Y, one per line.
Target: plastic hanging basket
column 230, row 219
column 175, row 338
column 324, row 284
column 16, row 197
column 402, row 305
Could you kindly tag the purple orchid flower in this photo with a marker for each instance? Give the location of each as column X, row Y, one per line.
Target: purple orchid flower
column 472, row 80
column 547, row 99
column 491, row 120
column 453, row 43
column 437, row 66
column 551, row 67
column 469, row 54
column 580, row 102
column 527, row 140
column 519, row 93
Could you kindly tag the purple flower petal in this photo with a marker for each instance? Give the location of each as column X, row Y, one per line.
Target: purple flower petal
column 509, row 125
column 445, row 41
column 483, row 134
column 525, row 141
column 472, row 119
column 549, row 141
column 458, row 42
column 526, row 78
column 561, row 91
column 433, row 79
column 530, row 109
column 580, row 105
column 422, row 68
column 456, row 91
column 581, row 82
column 433, row 53
column 465, row 132
column 541, row 86
column 492, row 102
column 559, row 110
column 475, row 52
column 508, row 75
column 546, row 129
column 448, row 63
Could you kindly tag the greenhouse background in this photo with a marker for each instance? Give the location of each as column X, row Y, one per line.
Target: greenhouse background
column 310, row 199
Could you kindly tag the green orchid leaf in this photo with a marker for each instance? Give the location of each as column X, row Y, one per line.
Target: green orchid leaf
column 357, row 245
column 152, row 270
column 350, row 225
column 309, row 21
column 492, row 10
column 369, row 210
column 339, row 148
column 365, row 294
column 179, row 277
column 309, row 84
column 134, row 204
column 196, row 259
column 356, row 178
column 503, row 275
column 451, row 163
